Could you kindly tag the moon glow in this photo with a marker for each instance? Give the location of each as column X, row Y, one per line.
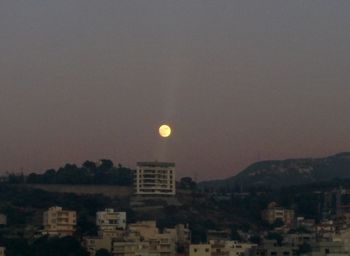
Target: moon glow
column 164, row 131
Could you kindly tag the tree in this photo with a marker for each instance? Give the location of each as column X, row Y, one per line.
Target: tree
column 187, row 183
column 56, row 246
column 235, row 235
column 304, row 248
column 275, row 236
column 103, row 252
column 89, row 165
column 278, row 223
column 255, row 239
column 105, row 165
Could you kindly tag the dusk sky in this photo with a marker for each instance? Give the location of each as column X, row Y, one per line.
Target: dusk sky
column 238, row 81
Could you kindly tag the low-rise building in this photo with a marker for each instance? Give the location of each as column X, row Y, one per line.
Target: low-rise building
column 235, row 248
column 162, row 244
column 297, row 239
column 180, row 233
column 93, row 244
column 139, row 239
column 325, row 248
column 59, row 222
column 109, row 219
column 325, row 229
column 221, row 248
column 273, row 213
column 130, row 248
column 145, row 229
column 308, row 224
column 272, row 248
column 200, row 250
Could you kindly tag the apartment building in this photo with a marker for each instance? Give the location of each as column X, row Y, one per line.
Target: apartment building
column 273, row 213
column 235, row 248
column 59, row 222
column 156, row 243
column 324, row 248
column 93, row 244
column 144, row 229
column 180, row 233
column 109, row 220
column 139, row 239
column 200, row 250
column 272, row 248
column 155, row 178
column 111, row 226
column 221, row 248
column 130, row 248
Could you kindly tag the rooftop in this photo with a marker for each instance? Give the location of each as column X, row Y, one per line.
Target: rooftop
column 156, row 164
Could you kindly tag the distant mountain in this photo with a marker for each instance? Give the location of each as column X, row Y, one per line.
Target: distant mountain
column 288, row 172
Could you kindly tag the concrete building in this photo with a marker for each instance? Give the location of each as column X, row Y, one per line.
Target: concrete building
column 130, row 248
column 235, row 248
column 109, row 220
column 273, row 213
column 162, row 244
column 297, row 239
column 218, row 248
column 139, row 239
column 325, row 229
column 155, row 178
column 271, row 248
column 180, row 233
column 59, row 222
column 144, row 229
column 325, row 248
column 93, row 244
column 200, row 250
column 111, row 226
column 308, row 224
column 221, row 248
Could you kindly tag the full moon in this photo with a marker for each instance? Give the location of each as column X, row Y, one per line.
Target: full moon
column 164, row 130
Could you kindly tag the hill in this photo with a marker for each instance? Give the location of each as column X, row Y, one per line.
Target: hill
column 278, row 173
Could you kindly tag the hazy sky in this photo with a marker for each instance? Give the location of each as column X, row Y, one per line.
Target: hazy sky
column 239, row 81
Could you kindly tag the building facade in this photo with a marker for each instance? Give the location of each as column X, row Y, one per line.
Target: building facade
column 110, row 220
column 59, row 222
column 200, row 250
column 273, row 213
column 155, row 178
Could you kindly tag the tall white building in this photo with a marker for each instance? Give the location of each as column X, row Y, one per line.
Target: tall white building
column 109, row 220
column 59, row 222
column 155, row 178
